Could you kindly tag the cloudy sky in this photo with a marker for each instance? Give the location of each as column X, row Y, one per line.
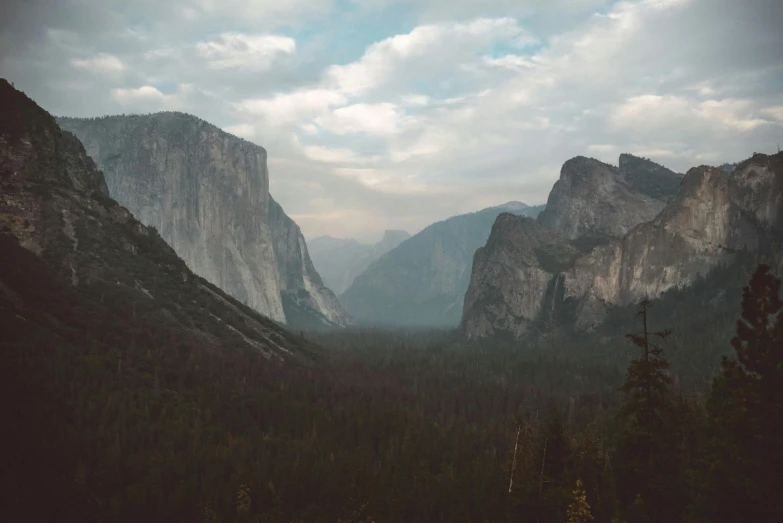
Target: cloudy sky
column 384, row 114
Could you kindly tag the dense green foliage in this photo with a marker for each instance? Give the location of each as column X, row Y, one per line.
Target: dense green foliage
column 115, row 417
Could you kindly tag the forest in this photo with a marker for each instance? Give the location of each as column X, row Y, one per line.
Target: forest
column 123, row 420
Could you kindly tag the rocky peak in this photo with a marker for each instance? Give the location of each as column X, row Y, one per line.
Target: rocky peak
column 712, row 217
column 391, row 239
column 207, row 192
column 513, row 207
column 596, row 201
column 648, row 177
column 757, row 188
column 98, row 265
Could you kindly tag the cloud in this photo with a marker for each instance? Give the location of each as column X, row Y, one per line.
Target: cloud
column 288, row 108
column 268, row 12
column 382, row 119
column 654, row 112
column 336, row 155
column 243, row 130
column 102, row 62
column 425, row 52
column 236, row 50
column 148, row 98
column 397, row 113
column 143, row 93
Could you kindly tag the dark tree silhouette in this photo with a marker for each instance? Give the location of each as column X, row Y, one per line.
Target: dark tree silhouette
column 648, row 466
column 745, row 410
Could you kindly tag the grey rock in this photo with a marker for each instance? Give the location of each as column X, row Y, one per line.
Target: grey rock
column 711, row 218
column 596, row 202
column 422, row 282
column 207, row 193
column 515, row 282
column 55, row 203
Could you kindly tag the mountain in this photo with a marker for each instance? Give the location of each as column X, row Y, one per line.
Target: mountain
column 339, row 261
column 423, row 280
column 207, row 193
column 596, row 201
column 713, row 217
column 79, row 268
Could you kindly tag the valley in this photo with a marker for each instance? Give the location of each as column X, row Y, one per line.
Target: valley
column 176, row 350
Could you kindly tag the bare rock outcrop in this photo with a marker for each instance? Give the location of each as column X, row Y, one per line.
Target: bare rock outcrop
column 713, row 216
column 207, row 193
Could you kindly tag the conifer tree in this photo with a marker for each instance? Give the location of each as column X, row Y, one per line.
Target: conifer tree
column 579, row 509
column 745, row 410
column 648, row 451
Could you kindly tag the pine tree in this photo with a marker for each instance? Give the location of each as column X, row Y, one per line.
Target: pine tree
column 579, row 509
column 649, row 465
column 745, row 410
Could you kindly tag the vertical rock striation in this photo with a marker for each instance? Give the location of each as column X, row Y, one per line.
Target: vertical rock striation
column 595, row 201
column 711, row 217
column 207, row 193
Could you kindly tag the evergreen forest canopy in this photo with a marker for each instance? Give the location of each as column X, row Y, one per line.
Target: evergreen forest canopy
column 126, row 421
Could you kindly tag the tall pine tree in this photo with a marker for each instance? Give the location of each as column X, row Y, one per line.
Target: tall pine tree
column 648, row 455
column 745, row 455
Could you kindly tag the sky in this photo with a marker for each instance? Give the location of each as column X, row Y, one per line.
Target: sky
column 394, row 114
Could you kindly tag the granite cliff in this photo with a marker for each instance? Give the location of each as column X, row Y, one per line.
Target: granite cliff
column 711, row 218
column 339, row 261
column 595, row 201
column 423, row 280
column 207, row 193
column 78, row 265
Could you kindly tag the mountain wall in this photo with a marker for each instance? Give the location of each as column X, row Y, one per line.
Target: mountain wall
column 596, row 201
column 207, row 193
column 711, row 218
column 422, row 282
column 93, row 271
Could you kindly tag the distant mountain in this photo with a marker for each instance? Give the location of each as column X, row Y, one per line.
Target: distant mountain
column 423, row 280
column 339, row 261
column 77, row 268
column 528, row 279
column 207, row 192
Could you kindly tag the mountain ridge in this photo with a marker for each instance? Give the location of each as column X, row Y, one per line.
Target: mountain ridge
column 423, row 280
column 711, row 218
column 207, row 192
column 341, row 260
column 117, row 275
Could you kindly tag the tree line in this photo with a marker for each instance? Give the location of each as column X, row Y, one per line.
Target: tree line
column 128, row 421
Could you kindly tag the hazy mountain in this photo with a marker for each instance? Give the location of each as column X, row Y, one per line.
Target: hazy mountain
column 523, row 278
column 423, row 280
column 207, row 192
column 78, row 266
column 339, row 261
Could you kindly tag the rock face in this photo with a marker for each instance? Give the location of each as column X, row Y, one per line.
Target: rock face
column 595, row 201
column 207, row 193
column 55, row 204
column 519, row 254
column 422, row 282
column 339, row 261
column 712, row 217
column 306, row 301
